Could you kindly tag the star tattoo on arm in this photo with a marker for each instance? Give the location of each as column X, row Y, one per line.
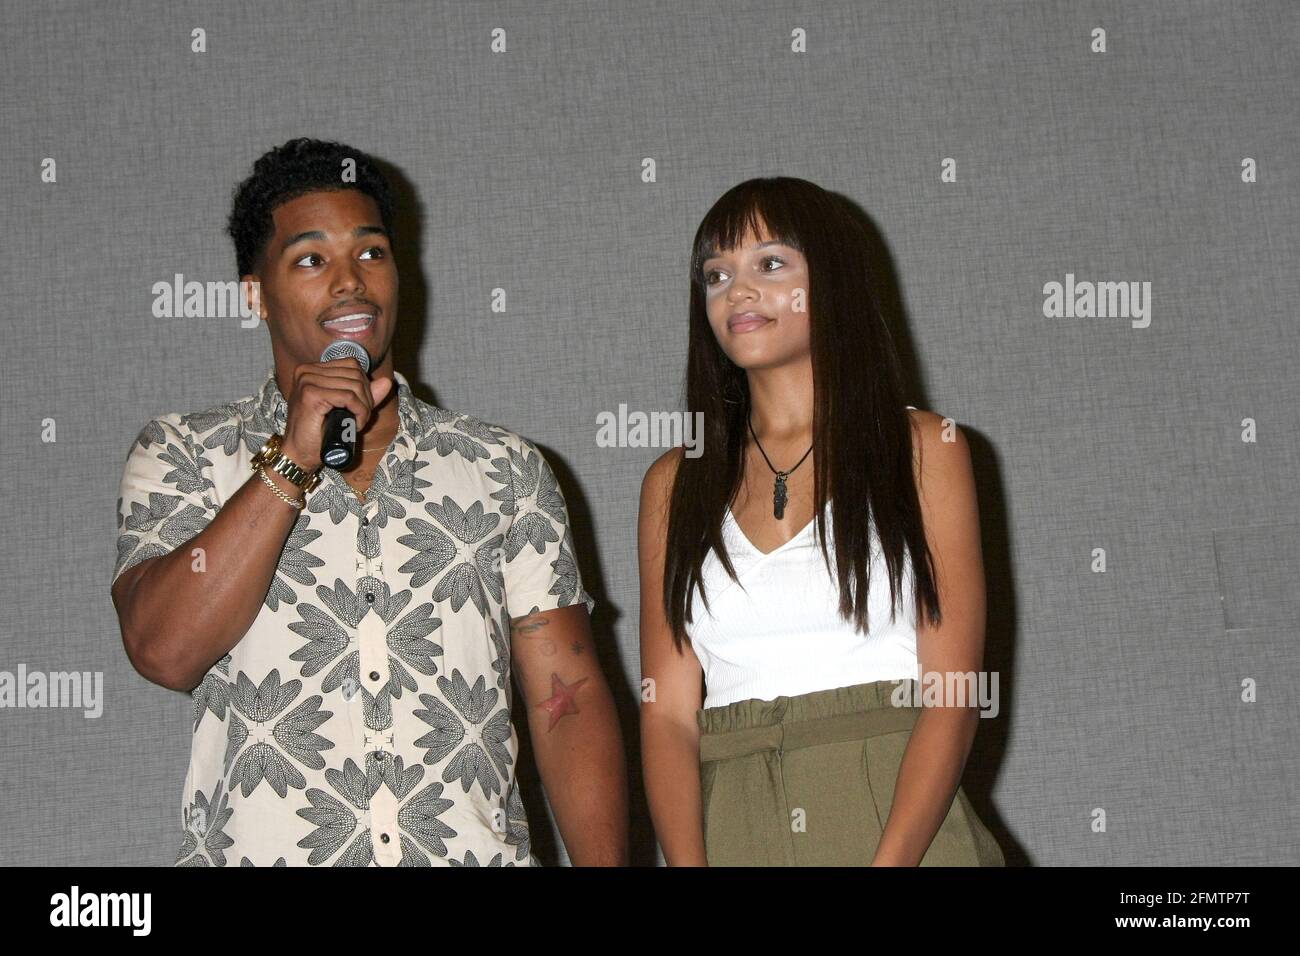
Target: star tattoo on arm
column 562, row 701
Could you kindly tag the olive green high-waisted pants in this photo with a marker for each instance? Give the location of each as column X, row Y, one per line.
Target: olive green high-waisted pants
column 809, row 780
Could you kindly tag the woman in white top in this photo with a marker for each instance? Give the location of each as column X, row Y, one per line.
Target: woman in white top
column 779, row 598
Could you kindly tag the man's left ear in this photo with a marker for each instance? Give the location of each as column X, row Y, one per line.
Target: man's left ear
column 251, row 287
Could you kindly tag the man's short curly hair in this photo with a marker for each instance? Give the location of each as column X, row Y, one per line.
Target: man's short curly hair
column 298, row 167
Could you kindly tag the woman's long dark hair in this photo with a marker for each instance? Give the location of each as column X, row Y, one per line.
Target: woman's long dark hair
column 862, row 438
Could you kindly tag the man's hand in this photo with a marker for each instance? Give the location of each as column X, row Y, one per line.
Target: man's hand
column 319, row 388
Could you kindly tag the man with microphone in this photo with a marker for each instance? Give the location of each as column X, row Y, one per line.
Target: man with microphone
column 350, row 636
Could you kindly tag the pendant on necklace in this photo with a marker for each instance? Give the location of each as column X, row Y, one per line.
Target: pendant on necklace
column 779, row 496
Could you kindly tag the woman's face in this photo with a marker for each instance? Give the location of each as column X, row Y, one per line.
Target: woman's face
column 756, row 296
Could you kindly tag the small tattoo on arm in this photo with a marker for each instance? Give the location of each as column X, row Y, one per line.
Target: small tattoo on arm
column 562, row 701
column 530, row 625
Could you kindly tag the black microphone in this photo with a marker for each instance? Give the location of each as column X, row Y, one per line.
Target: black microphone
column 337, row 449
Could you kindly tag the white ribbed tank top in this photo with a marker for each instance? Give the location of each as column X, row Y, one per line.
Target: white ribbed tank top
column 781, row 634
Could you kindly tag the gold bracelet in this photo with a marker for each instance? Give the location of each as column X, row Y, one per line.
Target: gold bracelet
column 298, row 503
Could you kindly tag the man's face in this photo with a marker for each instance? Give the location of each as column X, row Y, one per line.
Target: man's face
column 327, row 259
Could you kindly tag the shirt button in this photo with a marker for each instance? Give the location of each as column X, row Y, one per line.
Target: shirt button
column 384, row 837
column 365, row 521
column 374, row 675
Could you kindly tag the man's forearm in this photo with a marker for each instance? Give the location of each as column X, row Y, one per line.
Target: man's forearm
column 584, row 770
column 184, row 614
column 927, row 783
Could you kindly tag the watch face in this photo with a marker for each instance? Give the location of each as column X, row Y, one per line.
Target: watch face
column 267, row 451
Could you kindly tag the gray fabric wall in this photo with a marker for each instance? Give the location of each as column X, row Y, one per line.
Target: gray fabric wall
column 1121, row 690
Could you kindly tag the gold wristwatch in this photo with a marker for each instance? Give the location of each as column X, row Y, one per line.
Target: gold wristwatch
column 271, row 456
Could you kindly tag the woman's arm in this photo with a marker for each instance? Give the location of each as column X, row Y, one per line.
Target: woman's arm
column 942, row 737
column 672, row 684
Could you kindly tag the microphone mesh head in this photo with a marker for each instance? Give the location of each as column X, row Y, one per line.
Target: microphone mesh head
column 346, row 348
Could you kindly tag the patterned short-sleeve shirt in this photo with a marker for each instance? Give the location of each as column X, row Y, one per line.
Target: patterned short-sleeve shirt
column 365, row 716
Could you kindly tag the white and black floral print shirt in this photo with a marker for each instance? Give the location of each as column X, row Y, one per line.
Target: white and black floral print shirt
column 364, row 718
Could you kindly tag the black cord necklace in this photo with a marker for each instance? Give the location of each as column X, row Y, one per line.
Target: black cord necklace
column 779, row 496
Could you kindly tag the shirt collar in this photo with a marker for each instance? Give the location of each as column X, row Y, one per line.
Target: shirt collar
column 275, row 408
